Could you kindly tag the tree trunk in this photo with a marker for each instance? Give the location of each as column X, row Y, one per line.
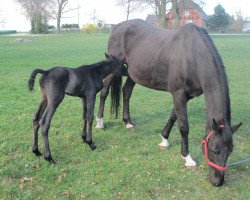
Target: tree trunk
column 162, row 17
column 128, row 10
column 58, row 19
column 176, row 17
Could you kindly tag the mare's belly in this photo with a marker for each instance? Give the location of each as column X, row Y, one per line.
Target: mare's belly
column 154, row 78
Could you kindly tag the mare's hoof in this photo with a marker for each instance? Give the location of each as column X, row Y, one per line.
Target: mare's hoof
column 99, row 123
column 189, row 161
column 164, row 144
column 162, row 147
column 36, row 152
column 129, row 126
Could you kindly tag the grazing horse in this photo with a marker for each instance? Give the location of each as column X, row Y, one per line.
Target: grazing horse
column 184, row 62
column 83, row 82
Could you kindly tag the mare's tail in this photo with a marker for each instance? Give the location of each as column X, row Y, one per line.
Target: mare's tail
column 116, row 86
column 31, row 81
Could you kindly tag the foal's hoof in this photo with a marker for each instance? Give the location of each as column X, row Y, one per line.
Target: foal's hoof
column 92, row 146
column 36, row 152
column 84, row 139
column 50, row 160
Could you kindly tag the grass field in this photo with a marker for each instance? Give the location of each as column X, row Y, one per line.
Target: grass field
column 127, row 164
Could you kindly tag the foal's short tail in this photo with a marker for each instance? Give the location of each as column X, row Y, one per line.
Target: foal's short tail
column 31, row 81
column 116, row 86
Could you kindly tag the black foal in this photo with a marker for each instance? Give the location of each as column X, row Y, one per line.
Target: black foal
column 83, row 82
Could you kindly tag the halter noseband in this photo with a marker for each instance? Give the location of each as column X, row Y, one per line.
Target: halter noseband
column 205, row 142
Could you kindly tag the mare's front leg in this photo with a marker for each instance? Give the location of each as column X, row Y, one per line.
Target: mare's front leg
column 180, row 105
column 104, row 93
column 90, row 105
column 167, row 129
column 127, row 92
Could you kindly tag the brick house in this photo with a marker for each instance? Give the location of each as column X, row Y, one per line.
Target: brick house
column 191, row 12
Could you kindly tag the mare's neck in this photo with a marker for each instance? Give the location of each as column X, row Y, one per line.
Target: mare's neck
column 217, row 106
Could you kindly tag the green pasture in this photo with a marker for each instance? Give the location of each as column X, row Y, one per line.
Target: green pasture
column 127, row 164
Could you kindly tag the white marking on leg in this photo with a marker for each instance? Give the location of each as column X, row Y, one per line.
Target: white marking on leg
column 164, row 143
column 99, row 123
column 129, row 126
column 189, row 161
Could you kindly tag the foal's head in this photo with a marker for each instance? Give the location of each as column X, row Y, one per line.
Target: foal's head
column 218, row 144
column 117, row 65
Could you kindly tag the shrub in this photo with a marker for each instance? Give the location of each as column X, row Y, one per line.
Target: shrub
column 89, row 28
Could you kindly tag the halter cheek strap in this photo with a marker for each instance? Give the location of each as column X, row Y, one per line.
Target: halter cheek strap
column 205, row 143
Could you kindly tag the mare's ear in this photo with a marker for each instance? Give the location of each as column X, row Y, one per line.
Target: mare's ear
column 107, row 55
column 236, row 127
column 215, row 125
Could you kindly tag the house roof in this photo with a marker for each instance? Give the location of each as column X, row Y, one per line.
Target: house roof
column 189, row 4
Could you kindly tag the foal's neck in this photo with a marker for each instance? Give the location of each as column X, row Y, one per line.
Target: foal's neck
column 106, row 69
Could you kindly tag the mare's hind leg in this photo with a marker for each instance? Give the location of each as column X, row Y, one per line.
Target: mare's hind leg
column 127, row 92
column 36, row 125
column 104, row 93
column 180, row 105
column 45, row 124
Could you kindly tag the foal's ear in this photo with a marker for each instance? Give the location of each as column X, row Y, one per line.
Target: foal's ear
column 236, row 127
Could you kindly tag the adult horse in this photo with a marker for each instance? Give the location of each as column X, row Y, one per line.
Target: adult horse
column 185, row 63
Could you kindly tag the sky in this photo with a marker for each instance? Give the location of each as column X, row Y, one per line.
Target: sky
column 106, row 10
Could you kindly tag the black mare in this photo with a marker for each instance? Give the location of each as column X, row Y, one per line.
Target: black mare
column 83, row 82
column 185, row 63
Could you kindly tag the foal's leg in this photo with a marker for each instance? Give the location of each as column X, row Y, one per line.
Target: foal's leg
column 127, row 92
column 104, row 93
column 84, row 130
column 167, row 129
column 180, row 105
column 45, row 124
column 36, row 125
column 90, row 103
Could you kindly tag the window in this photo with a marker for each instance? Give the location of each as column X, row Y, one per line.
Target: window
column 189, row 21
column 186, row 13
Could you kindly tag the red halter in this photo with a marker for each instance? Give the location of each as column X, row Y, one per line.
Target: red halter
column 204, row 142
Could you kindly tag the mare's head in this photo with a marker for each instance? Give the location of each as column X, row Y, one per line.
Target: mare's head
column 117, row 65
column 218, row 144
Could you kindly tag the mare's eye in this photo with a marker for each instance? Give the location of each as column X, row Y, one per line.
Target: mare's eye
column 215, row 152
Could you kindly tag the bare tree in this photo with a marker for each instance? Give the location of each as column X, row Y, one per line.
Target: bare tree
column 2, row 19
column 160, row 9
column 130, row 6
column 38, row 12
column 61, row 4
